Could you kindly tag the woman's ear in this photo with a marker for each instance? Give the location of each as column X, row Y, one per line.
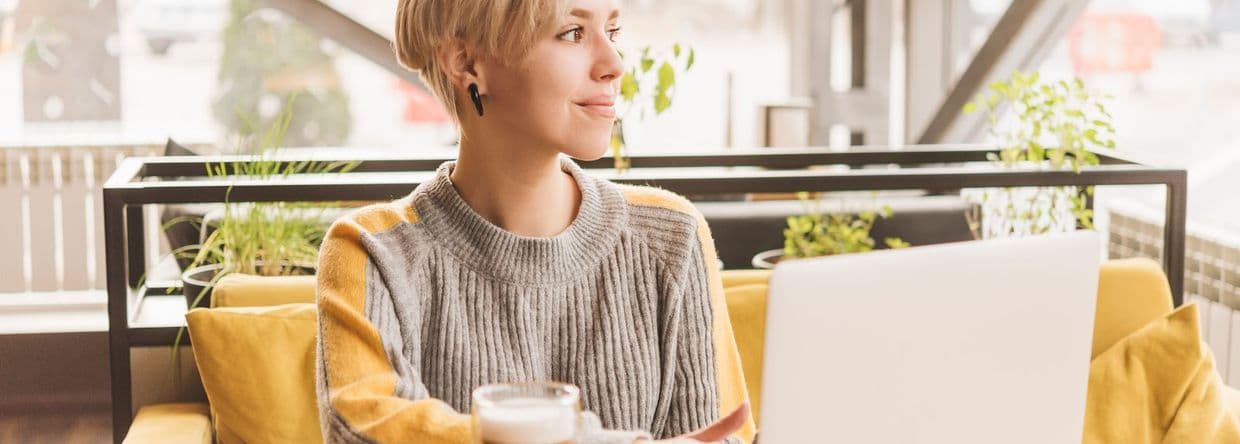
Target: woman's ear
column 460, row 65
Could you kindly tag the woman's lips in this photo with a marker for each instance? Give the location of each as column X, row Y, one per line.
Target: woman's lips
column 602, row 105
column 607, row 111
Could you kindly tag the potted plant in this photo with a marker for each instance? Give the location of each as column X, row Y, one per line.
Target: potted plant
column 260, row 238
column 647, row 86
column 1052, row 125
column 817, row 233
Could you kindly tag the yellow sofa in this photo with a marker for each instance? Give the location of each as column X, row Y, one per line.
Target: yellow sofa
column 1131, row 293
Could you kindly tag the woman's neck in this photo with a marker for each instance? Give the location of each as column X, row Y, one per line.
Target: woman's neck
column 522, row 190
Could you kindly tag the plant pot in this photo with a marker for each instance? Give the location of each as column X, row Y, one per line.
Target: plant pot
column 197, row 280
column 766, row 260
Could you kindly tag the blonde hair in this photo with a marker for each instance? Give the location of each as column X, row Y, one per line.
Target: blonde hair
column 503, row 30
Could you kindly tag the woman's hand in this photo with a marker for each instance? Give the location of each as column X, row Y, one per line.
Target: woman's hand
column 715, row 432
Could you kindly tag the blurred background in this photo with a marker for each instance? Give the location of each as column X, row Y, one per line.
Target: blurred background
column 87, row 83
column 128, row 72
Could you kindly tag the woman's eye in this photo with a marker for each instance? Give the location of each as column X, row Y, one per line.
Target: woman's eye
column 576, row 35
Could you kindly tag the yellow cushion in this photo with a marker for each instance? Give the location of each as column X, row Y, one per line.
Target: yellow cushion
column 733, row 278
column 244, row 290
column 1159, row 385
column 184, row 423
column 257, row 367
column 1131, row 294
column 747, row 309
column 1231, row 397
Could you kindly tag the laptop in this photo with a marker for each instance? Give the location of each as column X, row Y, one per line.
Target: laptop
column 973, row 342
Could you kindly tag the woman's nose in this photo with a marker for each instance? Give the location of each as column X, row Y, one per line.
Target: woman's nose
column 608, row 66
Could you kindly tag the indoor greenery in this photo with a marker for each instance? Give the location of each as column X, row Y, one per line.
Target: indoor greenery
column 260, row 238
column 264, row 238
column 647, row 86
column 267, row 59
column 817, row 233
column 1052, row 124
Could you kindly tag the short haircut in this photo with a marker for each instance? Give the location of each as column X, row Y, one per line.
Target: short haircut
column 503, row 30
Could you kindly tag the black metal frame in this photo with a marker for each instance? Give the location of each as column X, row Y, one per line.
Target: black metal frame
column 136, row 183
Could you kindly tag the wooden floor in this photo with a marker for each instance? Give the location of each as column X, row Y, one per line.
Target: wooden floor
column 89, row 427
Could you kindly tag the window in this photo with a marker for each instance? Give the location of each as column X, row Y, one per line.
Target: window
column 206, row 70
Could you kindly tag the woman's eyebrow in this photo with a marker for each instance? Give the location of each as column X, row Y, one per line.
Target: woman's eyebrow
column 586, row 14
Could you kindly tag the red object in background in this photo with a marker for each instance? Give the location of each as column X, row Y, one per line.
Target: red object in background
column 1110, row 43
column 420, row 106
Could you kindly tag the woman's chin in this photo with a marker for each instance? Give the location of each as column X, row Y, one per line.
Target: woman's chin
column 587, row 152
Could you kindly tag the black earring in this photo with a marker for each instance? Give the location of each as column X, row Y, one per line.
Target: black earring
column 477, row 98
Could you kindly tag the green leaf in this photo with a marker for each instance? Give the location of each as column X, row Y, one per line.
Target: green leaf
column 646, row 64
column 1092, row 135
column 1027, row 82
column 661, row 102
column 628, row 86
column 895, row 243
column 1102, row 109
column 1036, row 152
column 667, row 77
column 1056, row 157
column 615, row 145
column 970, row 108
column 676, row 50
column 689, row 64
column 992, row 100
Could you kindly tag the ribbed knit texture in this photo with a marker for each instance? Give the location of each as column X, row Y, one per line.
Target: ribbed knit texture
column 617, row 304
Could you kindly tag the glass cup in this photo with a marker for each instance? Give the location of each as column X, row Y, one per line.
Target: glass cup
column 526, row 413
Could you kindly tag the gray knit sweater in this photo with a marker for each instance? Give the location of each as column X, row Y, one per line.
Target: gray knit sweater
column 421, row 300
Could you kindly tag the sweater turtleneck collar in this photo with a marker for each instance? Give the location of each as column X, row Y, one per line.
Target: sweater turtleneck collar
column 491, row 250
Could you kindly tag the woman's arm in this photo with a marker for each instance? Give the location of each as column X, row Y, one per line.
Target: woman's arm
column 359, row 389
column 709, row 381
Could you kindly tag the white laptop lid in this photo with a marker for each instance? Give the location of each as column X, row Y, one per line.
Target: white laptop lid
column 975, row 342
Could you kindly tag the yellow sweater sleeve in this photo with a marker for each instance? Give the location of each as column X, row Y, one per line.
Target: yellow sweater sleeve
column 357, row 390
column 729, row 374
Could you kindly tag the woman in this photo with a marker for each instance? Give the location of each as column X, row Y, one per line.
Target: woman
column 511, row 264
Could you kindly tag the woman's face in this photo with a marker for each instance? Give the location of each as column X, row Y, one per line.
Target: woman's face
column 562, row 95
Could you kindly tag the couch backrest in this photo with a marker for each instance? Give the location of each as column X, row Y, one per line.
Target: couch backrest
column 244, row 290
column 1131, row 293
